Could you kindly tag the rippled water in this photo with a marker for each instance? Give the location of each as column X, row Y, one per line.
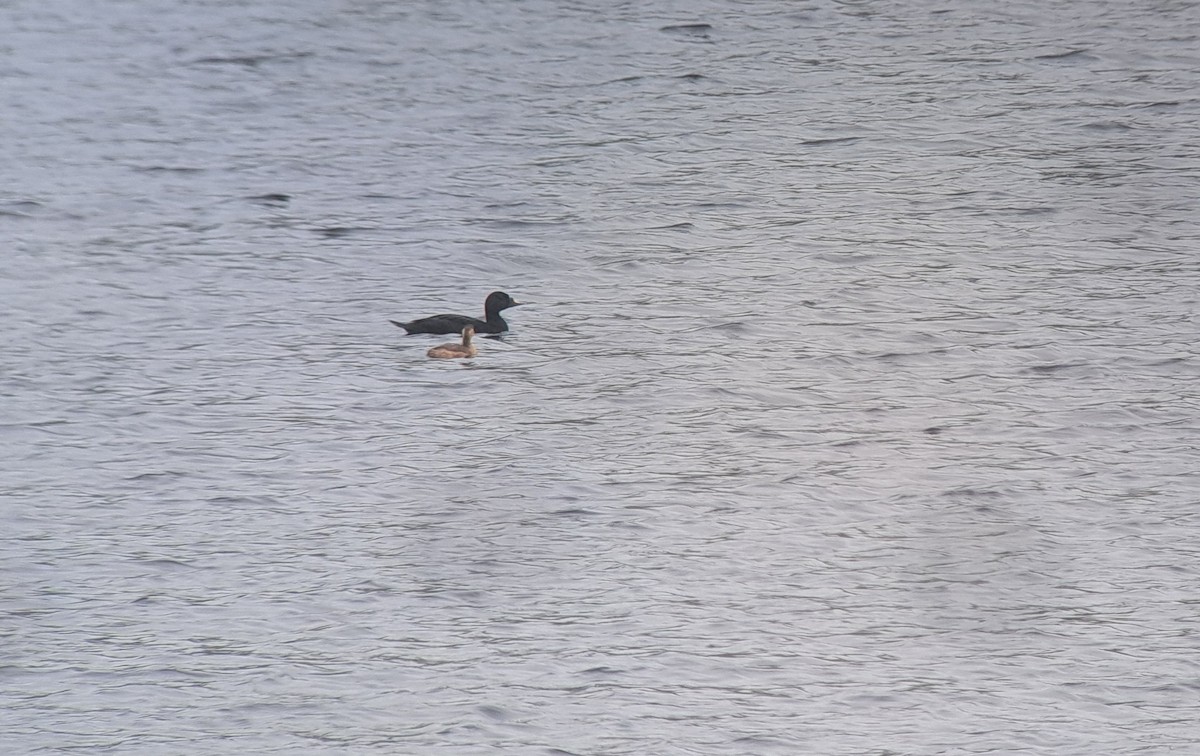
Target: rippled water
column 854, row 410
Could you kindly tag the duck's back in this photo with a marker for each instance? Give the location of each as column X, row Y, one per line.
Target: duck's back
column 452, row 351
column 451, row 324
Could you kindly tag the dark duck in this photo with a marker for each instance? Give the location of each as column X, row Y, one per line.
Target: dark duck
column 492, row 322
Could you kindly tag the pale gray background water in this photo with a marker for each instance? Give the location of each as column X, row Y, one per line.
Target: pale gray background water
column 854, row 411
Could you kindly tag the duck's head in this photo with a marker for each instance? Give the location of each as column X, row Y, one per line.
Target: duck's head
column 497, row 301
column 467, row 333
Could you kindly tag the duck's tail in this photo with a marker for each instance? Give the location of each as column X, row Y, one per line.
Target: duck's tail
column 398, row 324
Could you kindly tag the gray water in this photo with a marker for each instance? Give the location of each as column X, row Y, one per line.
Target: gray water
column 853, row 409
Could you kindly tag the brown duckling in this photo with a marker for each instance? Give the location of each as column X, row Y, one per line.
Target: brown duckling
column 456, row 351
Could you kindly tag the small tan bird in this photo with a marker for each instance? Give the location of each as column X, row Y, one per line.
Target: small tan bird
column 456, row 351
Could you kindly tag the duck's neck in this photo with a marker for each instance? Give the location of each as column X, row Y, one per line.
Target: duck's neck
column 467, row 339
column 493, row 318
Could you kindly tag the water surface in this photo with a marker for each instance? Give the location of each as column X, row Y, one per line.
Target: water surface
column 853, row 410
